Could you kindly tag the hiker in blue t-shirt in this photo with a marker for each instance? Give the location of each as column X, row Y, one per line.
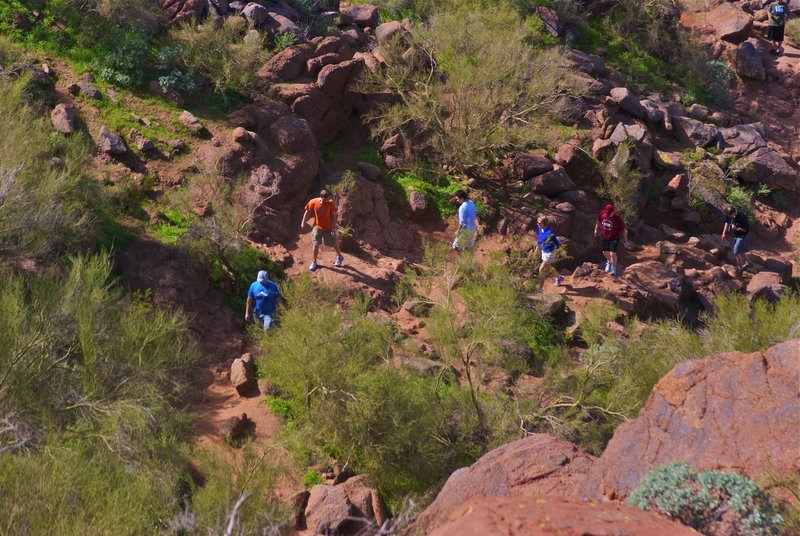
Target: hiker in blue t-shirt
column 548, row 242
column 465, row 237
column 265, row 294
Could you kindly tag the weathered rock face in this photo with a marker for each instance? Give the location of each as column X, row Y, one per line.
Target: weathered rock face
column 695, row 133
column 345, row 509
column 561, row 516
column 731, row 23
column 362, row 15
column 528, row 165
column 540, row 464
column 287, row 64
column 552, row 183
column 747, row 61
column 649, row 289
column 622, row 97
column 730, row 412
column 183, row 10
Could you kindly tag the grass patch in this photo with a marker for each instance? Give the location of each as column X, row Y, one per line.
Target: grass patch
column 439, row 191
column 173, row 229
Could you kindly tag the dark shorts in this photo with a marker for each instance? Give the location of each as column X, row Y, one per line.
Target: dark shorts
column 775, row 33
column 741, row 244
column 318, row 236
column 611, row 245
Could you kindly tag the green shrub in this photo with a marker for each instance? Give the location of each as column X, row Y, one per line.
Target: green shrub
column 793, row 31
column 614, row 377
column 46, row 207
column 438, row 191
column 622, row 180
column 127, row 64
column 311, row 478
column 222, row 53
column 473, row 87
column 333, row 367
column 703, row 500
column 175, row 227
column 739, row 198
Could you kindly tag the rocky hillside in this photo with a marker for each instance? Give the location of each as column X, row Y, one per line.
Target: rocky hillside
column 171, row 147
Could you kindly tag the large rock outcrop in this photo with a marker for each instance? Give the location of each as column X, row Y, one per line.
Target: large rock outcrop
column 730, row 412
column 530, row 516
column 347, row 508
column 540, row 464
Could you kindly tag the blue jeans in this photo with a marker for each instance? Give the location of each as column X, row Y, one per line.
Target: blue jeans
column 268, row 320
column 740, row 245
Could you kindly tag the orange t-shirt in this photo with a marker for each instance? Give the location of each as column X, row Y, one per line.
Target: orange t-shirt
column 323, row 212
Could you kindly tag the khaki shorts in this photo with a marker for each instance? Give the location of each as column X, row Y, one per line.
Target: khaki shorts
column 318, row 236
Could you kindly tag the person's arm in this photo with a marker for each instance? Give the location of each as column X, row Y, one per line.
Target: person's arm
column 303, row 221
column 724, row 229
column 597, row 227
column 248, row 307
column 625, row 236
column 462, row 210
column 334, row 217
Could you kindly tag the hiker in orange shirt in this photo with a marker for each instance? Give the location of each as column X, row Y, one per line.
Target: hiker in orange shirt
column 324, row 231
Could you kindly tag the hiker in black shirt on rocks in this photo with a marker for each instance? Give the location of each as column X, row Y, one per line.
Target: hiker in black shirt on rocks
column 777, row 24
column 739, row 226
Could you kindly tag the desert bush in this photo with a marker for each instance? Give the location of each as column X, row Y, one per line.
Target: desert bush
column 470, row 85
column 88, row 381
column 739, row 197
column 709, row 501
column 349, row 402
column 793, row 31
column 622, row 180
column 613, row 378
column 46, row 206
column 222, row 53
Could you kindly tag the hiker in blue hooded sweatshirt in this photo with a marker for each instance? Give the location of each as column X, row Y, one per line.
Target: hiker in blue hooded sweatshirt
column 547, row 241
column 264, row 294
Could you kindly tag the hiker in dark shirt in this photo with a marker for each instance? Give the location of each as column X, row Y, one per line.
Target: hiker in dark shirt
column 777, row 24
column 738, row 226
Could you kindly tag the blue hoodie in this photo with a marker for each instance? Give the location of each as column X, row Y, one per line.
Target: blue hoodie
column 547, row 240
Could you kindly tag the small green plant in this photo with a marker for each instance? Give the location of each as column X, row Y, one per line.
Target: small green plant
column 779, row 199
column 438, row 190
column 282, row 40
column 739, row 197
column 311, row 478
column 281, row 407
column 174, row 228
column 127, row 63
column 701, row 500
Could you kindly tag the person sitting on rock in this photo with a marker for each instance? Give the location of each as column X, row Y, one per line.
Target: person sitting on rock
column 777, row 24
column 465, row 237
column 324, row 232
column 264, row 294
column 611, row 228
column 739, row 226
column 548, row 242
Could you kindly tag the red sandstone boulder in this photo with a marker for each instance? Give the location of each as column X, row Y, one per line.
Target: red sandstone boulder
column 540, row 464
column 731, row 23
column 287, row 64
column 361, row 15
column 531, row 516
column 728, row 412
column 63, row 118
column 333, row 79
column 345, row 509
column 529, row 165
column 183, row 10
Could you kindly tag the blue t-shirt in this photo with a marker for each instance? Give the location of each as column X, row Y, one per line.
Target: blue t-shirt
column 547, row 240
column 466, row 215
column 266, row 297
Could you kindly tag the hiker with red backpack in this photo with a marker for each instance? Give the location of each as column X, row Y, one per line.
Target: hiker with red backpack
column 610, row 228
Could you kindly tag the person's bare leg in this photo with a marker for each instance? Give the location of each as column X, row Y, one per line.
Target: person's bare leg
column 336, row 247
column 315, row 252
column 544, row 269
column 613, row 259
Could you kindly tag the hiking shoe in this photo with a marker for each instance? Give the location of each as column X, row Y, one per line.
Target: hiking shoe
column 746, row 265
column 608, row 267
column 613, row 272
column 559, row 279
column 339, row 261
column 313, row 266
